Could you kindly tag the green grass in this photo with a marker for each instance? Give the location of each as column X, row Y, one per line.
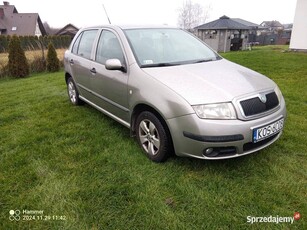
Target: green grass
column 78, row 163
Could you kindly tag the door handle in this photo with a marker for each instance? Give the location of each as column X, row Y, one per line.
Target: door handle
column 93, row 70
column 71, row 61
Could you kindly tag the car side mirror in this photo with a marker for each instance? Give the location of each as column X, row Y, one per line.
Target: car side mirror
column 114, row 64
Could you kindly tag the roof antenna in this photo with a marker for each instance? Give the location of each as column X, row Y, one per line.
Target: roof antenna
column 106, row 14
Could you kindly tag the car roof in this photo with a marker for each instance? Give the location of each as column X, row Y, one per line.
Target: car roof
column 126, row 27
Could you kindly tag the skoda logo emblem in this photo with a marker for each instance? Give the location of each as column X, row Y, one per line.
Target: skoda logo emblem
column 262, row 98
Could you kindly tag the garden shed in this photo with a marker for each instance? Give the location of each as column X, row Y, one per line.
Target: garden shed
column 224, row 34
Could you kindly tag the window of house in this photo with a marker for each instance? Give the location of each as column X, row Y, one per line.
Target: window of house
column 210, row 34
column 84, row 43
column 108, row 48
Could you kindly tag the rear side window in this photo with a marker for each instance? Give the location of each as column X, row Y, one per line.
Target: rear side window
column 84, row 43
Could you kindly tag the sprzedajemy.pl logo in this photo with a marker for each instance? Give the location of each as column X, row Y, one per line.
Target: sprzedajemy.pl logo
column 273, row 219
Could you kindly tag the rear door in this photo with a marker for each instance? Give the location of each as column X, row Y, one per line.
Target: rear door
column 81, row 62
column 110, row 86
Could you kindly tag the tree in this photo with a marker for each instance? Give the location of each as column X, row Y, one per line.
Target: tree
column 50, row 30
column 192, row 15
column 4, row 42
column 53, row 63
column 18, row 65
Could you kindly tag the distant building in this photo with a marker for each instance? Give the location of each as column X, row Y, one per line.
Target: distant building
column 299, row 32
column 272, row 26
column 274, row 33
column 225, row 34
column 69, row 30
column 12, row 22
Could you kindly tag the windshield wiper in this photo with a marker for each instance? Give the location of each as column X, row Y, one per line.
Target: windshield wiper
column 163, row 64
column 203, row 60
column 207, row 60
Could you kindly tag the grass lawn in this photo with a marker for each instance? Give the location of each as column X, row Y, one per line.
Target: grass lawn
column 84, row 171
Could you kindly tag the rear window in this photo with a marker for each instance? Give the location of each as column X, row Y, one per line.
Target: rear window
column 84, row 43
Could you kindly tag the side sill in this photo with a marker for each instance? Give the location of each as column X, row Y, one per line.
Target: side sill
column 121, row 121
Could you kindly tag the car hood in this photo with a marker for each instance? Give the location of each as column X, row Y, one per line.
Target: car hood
column 210, row 82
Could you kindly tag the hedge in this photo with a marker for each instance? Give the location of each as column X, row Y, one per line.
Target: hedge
column 34, row 42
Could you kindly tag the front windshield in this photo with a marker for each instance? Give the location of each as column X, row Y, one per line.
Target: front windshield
column 166, row 47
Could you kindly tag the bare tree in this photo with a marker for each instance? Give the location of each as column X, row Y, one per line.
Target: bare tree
column 192, row 15
column 50, row 30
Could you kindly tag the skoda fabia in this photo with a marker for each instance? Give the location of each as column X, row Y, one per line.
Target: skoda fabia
column 173, row 92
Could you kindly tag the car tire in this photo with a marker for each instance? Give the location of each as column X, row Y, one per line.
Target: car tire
column 153, row 137
column 73, row 93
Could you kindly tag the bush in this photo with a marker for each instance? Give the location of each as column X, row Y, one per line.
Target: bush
column 4, row 70
column 18, row 65
column 53, row 63
column 38, row 65
column 4, row 43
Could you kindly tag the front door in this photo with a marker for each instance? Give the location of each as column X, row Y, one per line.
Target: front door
column 110, row 86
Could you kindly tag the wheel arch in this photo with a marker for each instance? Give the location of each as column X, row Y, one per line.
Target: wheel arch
column 67, row 76
column 138, row 109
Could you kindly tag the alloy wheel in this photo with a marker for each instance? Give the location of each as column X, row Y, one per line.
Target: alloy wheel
column 72, row 92
column 149, row 137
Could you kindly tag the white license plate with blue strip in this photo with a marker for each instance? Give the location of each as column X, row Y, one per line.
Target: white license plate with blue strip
column 264, row 132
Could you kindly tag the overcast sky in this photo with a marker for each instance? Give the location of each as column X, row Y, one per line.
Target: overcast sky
column 58, row 13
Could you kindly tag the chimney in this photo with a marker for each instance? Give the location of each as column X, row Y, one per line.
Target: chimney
column 6, row 3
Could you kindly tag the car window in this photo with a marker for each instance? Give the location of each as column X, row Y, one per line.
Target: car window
column 84, row 43
column 163, row 47
column 76, row 45
column 108, row 48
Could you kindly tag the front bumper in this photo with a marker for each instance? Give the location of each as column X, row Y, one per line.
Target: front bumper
column 193, row 136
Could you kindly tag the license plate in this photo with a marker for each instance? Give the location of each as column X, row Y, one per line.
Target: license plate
column 264, row 132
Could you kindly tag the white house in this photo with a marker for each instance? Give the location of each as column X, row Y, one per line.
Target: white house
column 299, row 31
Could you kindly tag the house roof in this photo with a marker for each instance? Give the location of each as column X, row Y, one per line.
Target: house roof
column 69, row 29
column 271, row 24
column 2, row 27
column 9, row 9
column 224, row 22
column 247, row 23
column 19, row 23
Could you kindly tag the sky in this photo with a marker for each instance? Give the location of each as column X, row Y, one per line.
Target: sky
column 58, row 13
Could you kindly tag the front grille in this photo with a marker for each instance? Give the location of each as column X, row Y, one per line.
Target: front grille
column 254, row 106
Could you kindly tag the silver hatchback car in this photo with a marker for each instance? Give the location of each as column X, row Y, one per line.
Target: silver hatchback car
column 173, row 92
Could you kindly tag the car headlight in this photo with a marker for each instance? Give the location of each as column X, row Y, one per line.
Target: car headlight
column 278, row 93
column 224, row 111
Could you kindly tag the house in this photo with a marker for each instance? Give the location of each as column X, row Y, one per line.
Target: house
column 69, row 30
column 274, row 33
column 272, row 26
column 225, row 34
column 12, row 22
column 299, row 33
